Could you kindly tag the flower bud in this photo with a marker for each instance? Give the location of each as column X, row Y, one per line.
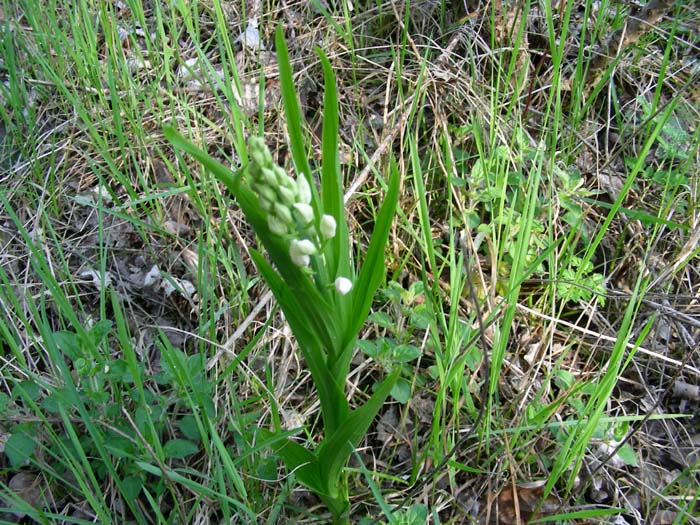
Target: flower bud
column 259, row 153
column 283, row 179
column 283, row 213
column 343, row 285
column 299, row 252
column 265, row 204
column 303, row 189
column 327, row 227
column 276, row 226
column 302, row 261
column 305, row 246
column 268, row 178
column 265, row 192
column 286, row 196
column 306, row 212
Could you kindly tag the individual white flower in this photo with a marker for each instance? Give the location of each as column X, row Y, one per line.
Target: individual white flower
column 305, row 246
column 303, row 190
column 300, row 252
column 343, row 285
column 327, row 227
column 302, row 261
column 305, row 211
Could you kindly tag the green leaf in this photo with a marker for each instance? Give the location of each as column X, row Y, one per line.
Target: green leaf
column 68, row 343
column 99, row 331
column 27, row 391
column 382, row 319
column 564, row 379
column 331, row 184
column 373, row 269
column 229, row 178
column 628, row 455
column 401, row 391
column 120, row 446
column 405, row 353
column 19, row 448
column 179, row 448
column 291, row 107
column 296, row 458
column 266, row 469
column 131, row 487
column 188, row 427
column 4, row 402
column 371, row 348
column 334, row 405
column 335, row 450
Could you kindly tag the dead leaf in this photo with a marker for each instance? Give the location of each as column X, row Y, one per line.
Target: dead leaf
column 387, row 425
column 519, row 504
column 30, row 488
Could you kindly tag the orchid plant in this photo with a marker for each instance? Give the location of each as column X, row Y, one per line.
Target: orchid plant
column 324, row 294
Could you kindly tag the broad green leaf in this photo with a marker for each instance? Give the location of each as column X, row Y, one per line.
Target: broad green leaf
column 296, row 458
column 331, row 183
column 405, row 353
column 131, row 486
column 291, row 108
column 27, row 390
column 628, row 455
column 179, row 448
column 371, row 348
column 189, row 428
column 373, row 268
column 335, row 450
column 383, row 320
column 401, row 391
column 19, row 447
column 331, row 395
